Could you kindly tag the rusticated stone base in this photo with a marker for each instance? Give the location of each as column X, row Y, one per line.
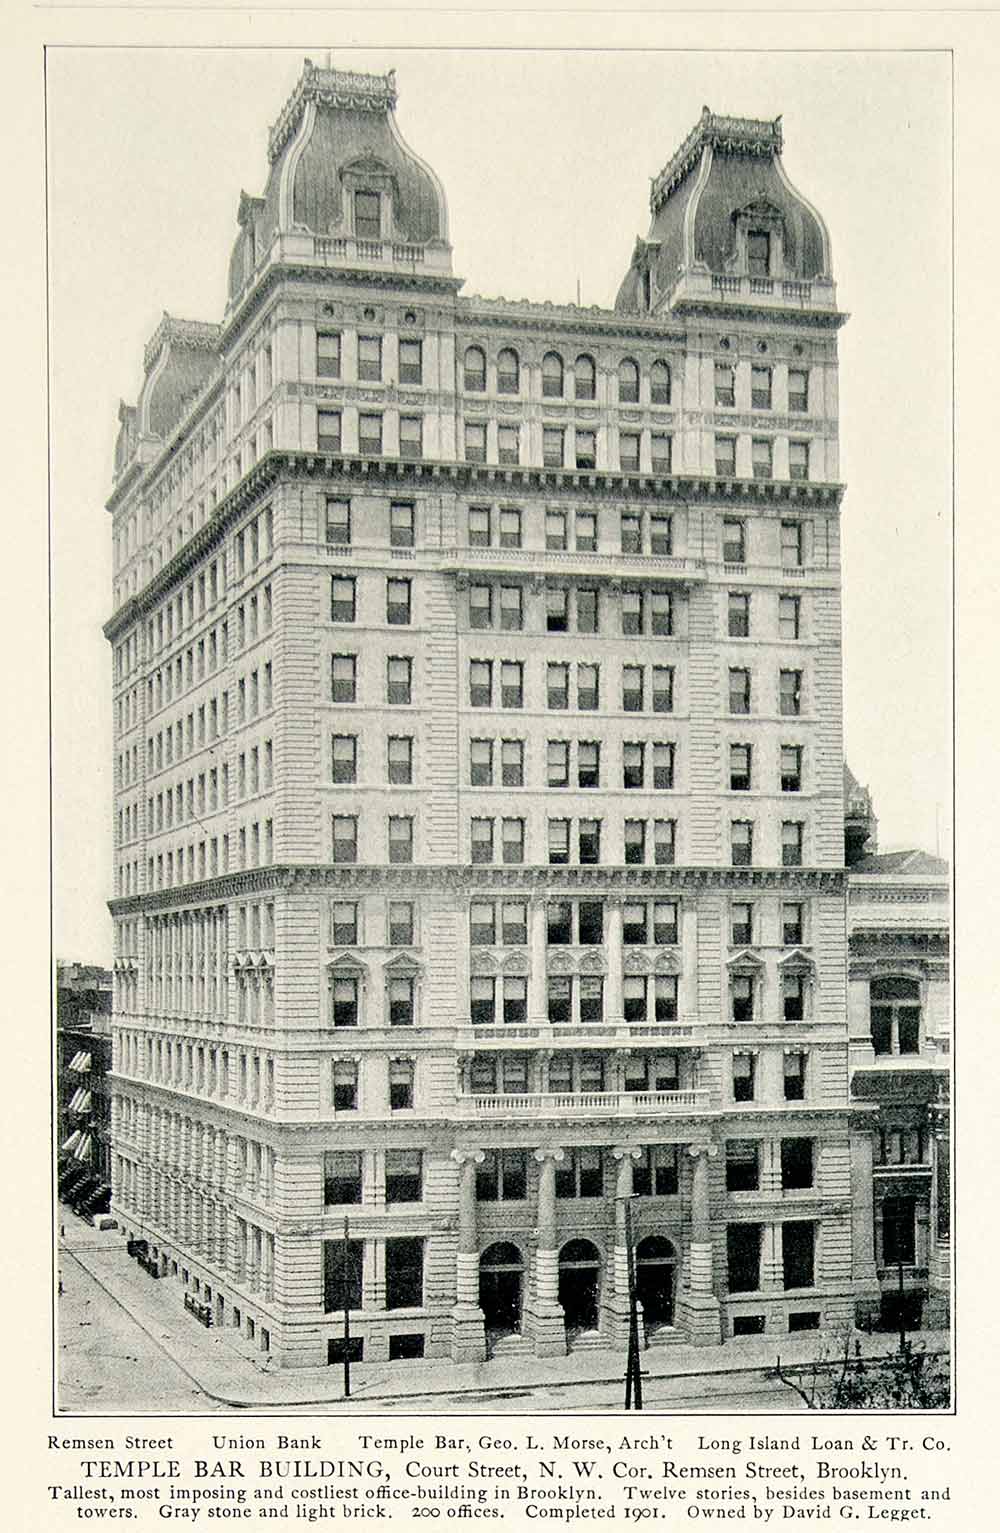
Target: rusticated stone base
column 545, row 1329
column 468, row 1334
column 699, row 1317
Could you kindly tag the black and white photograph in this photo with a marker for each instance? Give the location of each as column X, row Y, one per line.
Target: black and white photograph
column 501, row 619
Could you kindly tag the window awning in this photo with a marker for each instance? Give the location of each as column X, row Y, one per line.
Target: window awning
column 80, row 1062
column 82, row 1151
column 80, row 1100
column 73, row 1140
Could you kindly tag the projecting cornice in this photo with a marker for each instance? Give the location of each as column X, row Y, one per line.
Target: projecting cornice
column 480, row 477
column 462, row 878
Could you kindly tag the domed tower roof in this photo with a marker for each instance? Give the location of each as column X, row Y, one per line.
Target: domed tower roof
column 721, row 201
column 339, row 167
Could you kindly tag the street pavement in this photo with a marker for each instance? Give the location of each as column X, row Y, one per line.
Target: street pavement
column 190, row 1369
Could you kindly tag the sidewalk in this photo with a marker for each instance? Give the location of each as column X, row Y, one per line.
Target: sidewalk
column 213, row 1361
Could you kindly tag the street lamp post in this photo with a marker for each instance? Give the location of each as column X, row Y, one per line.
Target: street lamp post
column 347, row 1309
column 633, row 1367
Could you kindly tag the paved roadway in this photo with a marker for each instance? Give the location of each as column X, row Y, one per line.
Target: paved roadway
column 109, row 1366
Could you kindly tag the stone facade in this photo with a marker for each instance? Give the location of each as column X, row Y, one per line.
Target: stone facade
column 479, row 828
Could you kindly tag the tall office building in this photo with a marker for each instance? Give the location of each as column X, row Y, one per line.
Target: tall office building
column 479, row 849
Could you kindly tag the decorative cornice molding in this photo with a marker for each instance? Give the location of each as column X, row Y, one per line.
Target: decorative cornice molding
column 730, row 135
column 461, row 879
column 712, row 308
column 348, row 90
column 194, row 334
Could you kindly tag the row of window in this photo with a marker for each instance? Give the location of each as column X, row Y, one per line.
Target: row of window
column 638, row 532
column 580, row 1000
column 251, row 696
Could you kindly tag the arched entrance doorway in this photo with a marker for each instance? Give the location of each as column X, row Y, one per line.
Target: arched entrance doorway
column 579, row 1284
column 501, row 1270
column 655, row 1269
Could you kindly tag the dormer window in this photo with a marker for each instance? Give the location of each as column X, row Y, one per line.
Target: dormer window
column 758, row 253
column 367, row 215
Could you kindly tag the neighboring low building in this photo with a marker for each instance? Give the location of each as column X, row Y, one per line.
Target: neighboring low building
column 83, row 1105
column 898, row 916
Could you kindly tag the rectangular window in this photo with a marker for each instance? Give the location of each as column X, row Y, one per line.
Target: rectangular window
column 480, row 606
column 397, row 601
column 400, row 999
column 664, row 842
column 559, row 923
column 739, row 690
column 482, row 924
column 634, row 997
column 553, row 451
column 589, row 837
column 411, row 360
column 510, row 527
column 739, row 615
column 759, row 253
column 327, row 354
column 655, row 1174
column 341, row 1177
column 514, row 923
column 742, row 986
column 328, row 431
column 725, row 386
column 400, row 1084
column 633, row 764
column 399, row 752
column 798, row 391
column 404, row 1176
column 635, row 842
column 557, row 764
column 798, row 1253
column 725, row 457
column 796, row 1164
column 792, row 839
column 587, row 610
column 559, row 993
column 587, row 687
column 743, row 1258
column 742, row 1165
column 760, row 388
column 480, row 521
column 345, row 1085
column 791, row 768
column 515, row 999
column 588, row 764
column 790, row 693
column 370, row 434
column 788, row 617
column 661, row 614
column 411, row 436
column 511, row 684
column 558, row 842
column 740, row 760
column 481, row 683
column 795, row 1077
column 743, row 1077
column 342, row 1264
column 586, row 532
column 482, row 1011
column 482, row 840
column 661, row 535
column 663, row 688
column 663, row 765
column 338, row 520
column 404, row 1272
column 557, row 610
column 475, row 442
column 481, row 763
column 792, row 924
column 345, row 838
column 344, row 924
column 586, row 448
column 734, row 541
column 631, row 532
column 634, row 924
column 632, row 607
column 399, row 677
column 400, row 923
column 508, row 444
column 798, row 460
column 555, row 530
column 762, row 457
column 345, row 758
column 512, row 838
column 370, row 358
column 367, row 215
column 662, row 453
column 632, row 688
column 665, row 997
column 793, row 997
column 741, row 924
column 343, row 678
column 791, row 545
column 342, row 599
column 629, row 443
column 898, row 1231
column 512, row 763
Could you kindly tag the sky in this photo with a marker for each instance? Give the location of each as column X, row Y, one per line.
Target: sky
column 546, row 158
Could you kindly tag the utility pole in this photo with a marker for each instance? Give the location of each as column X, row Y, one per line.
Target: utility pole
column 345, row 1264
column 633, row 1367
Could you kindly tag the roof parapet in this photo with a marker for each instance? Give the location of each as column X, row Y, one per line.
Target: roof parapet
column 733, row 135
column 342, row 88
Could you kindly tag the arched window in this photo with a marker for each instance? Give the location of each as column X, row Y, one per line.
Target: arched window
column 475, row 370
column 552, row 375
column 508, row 372
column 586, row 378
column 659, row 383
column 628, row 382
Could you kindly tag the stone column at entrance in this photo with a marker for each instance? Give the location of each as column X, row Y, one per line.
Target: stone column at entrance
column 867, row 1293
column 468, row 1336
column 615, row 1320
column 543, row 1321
column 698, row 1308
